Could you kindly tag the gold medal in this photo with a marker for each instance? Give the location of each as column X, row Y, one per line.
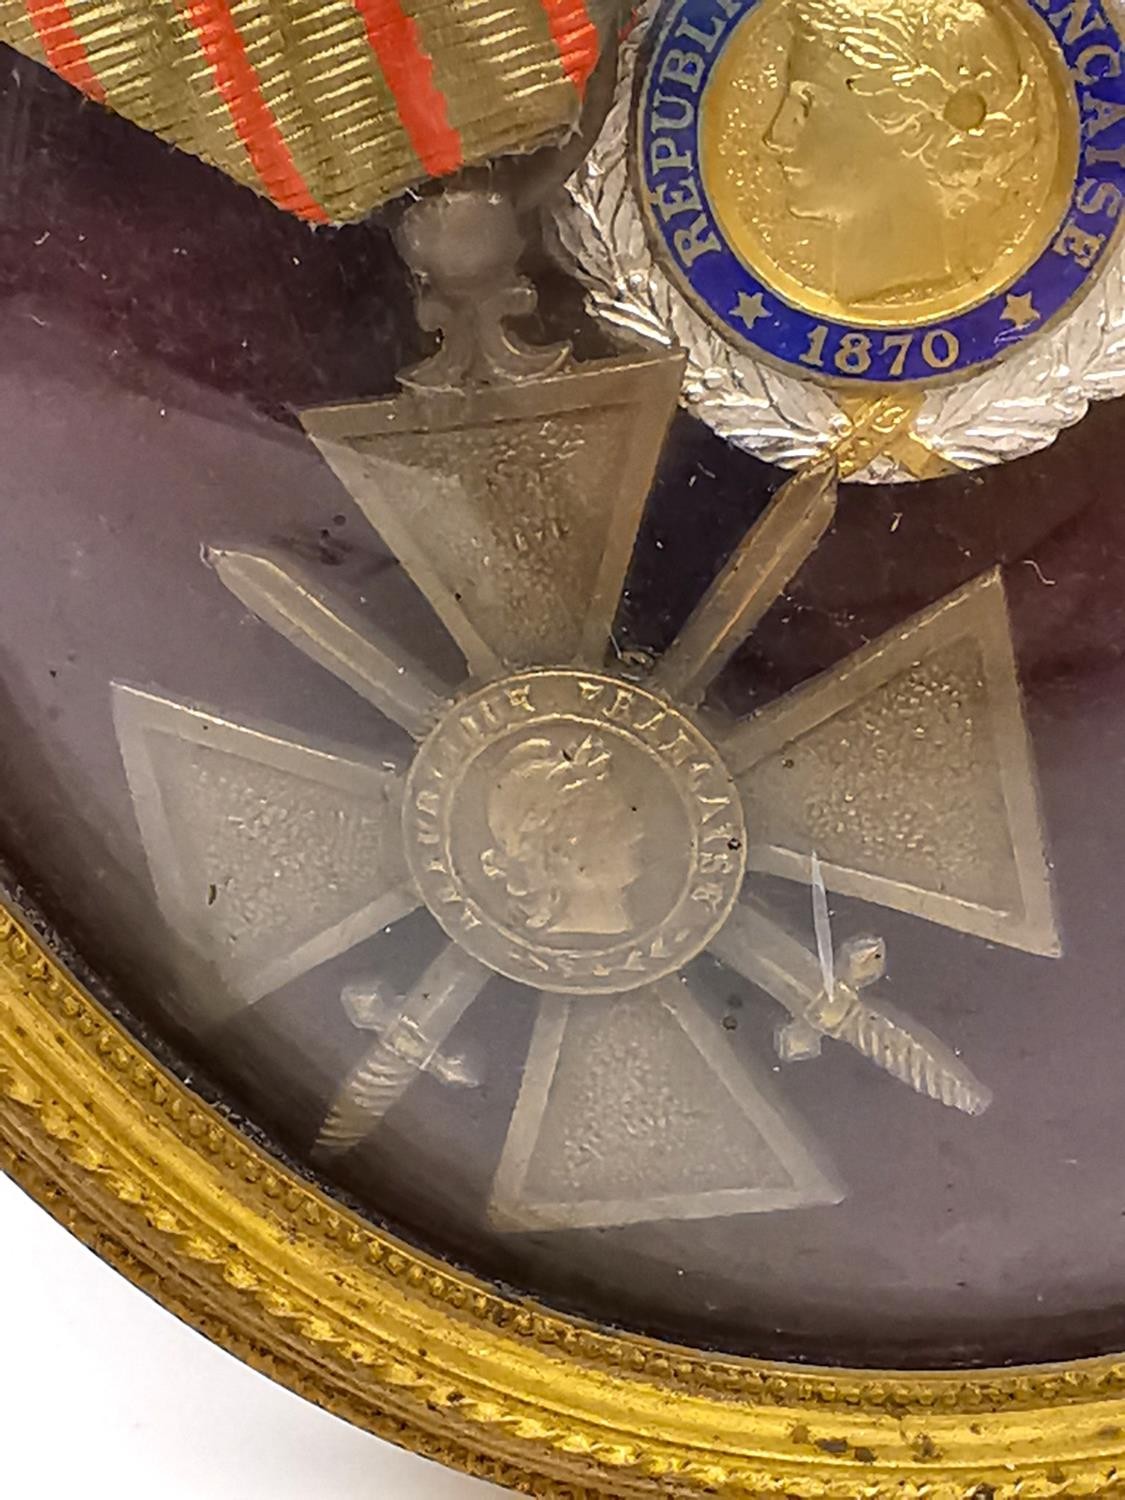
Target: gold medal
column 886, row 231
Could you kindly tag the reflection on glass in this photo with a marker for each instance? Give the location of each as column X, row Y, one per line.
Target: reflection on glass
column 686, row 895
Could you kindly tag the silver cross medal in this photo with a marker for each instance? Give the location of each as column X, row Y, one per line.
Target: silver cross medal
column 583, row 825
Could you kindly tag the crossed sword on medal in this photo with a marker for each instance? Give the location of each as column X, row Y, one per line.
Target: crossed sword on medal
column 843, row 743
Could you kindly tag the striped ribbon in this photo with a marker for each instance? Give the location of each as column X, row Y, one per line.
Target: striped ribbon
column 327, row 106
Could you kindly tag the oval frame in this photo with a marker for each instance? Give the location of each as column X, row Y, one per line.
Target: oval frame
column 266, row 1265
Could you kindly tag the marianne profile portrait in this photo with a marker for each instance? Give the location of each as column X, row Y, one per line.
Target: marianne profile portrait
column 905, row 152
column 567, row 841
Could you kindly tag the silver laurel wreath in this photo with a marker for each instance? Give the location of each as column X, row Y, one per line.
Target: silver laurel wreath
column 1010, row 410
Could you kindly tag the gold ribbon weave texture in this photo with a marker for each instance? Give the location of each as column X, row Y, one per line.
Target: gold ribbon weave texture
column 327, row 106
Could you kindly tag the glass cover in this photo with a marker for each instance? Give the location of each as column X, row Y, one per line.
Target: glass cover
column 658, row 883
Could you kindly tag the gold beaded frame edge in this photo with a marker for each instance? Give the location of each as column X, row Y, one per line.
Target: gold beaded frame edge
column 224, row 1236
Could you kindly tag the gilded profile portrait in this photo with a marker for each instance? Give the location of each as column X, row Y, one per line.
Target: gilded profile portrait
column 890, row 158
column 567, row 848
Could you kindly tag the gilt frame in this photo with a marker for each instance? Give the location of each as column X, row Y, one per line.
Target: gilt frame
column 229, row 1239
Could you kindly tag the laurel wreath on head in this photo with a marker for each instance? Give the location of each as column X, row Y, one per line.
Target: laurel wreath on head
column 1011, row 409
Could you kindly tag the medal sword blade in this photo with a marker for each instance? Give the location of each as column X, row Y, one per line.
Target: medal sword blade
column 771, row 554
column 756, row 946
column 334, row 637
column 407, row 1046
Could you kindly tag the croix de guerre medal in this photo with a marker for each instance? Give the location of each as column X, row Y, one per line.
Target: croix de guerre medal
column 587, row 823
